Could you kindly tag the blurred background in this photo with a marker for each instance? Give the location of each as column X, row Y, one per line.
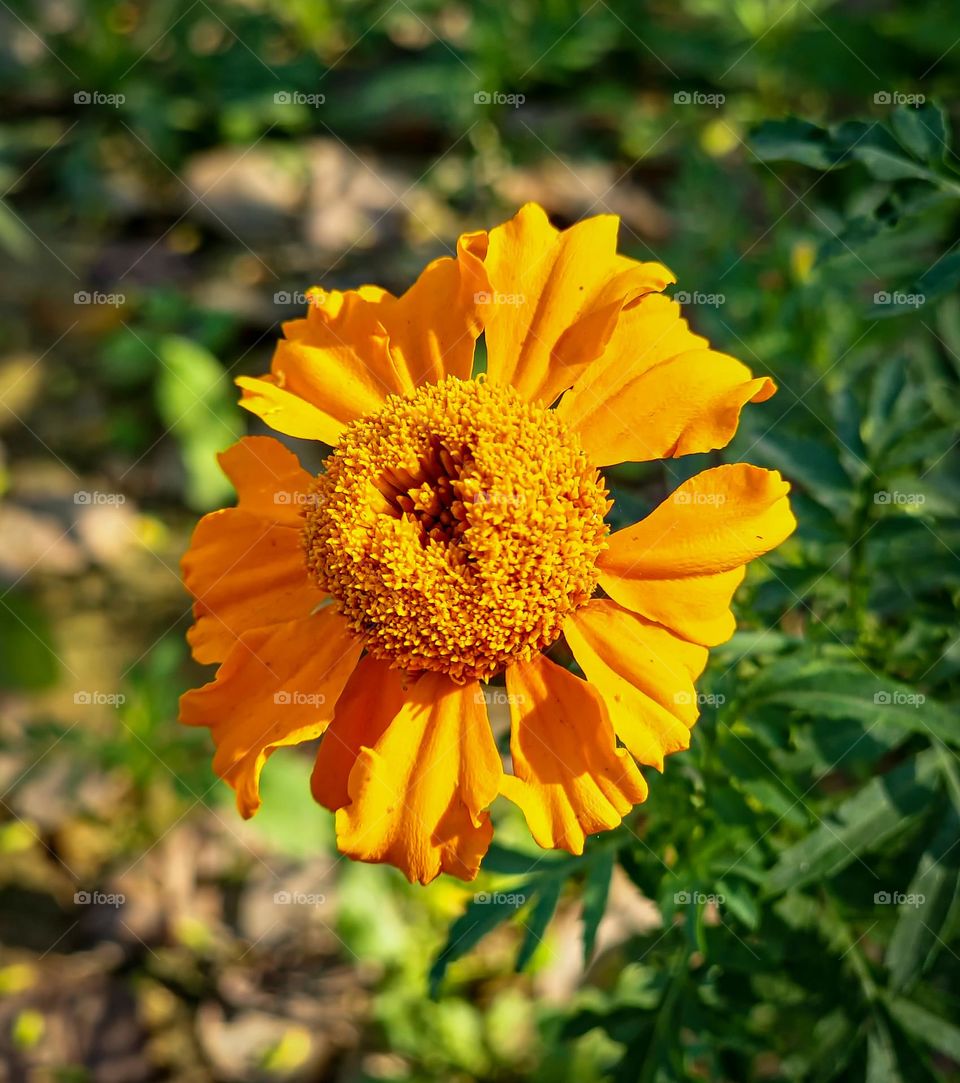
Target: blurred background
column 174, row 176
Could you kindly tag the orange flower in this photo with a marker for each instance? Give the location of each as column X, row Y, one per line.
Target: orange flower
column 457, row 532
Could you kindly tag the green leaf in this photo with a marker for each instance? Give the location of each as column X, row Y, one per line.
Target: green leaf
column 862, row 823
column 595, row 892
column 795, row 140
column 196, row 402
column 919, row 933
column 822, row 689
column 540, row 915
column 929, row 1028
column 923, row 131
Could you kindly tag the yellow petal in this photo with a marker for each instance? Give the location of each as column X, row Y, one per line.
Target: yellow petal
column 286, row 412
column 569, row 777
column 680, row 565
column 245, row 566
column 372, row 699
column 682, row 405
column 555, row 298
column 643, row 673
column 417, row 794
column 278, row 686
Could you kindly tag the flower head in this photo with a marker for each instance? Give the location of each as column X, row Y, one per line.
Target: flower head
column 457, row 531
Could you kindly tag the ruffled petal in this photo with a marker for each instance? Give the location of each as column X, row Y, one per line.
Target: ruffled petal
column 681, row 565
column 569, row 777
column 336, row 360
column 245, row 566
column 372, row 699
column 278, row 686
column 643, row 673
column 434, row 326
column 683, row 404
column 355, row 348
column 555, row 298
column 417, row 794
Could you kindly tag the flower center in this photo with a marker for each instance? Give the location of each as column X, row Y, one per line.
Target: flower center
column 457, row 528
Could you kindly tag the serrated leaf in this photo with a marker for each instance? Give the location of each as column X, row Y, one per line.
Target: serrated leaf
column 922, row 131
column 862, row 823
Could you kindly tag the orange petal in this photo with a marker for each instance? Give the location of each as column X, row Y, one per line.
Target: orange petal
column 680, row 565
column 555, row 298
column 418, row 793
column 278, row 686
column 336, row 362
column 684, row 404
column 434, row 326
column 371, row 700
column 569, row 777
column 268, row 478
column 644, row 675
column 245, row 566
